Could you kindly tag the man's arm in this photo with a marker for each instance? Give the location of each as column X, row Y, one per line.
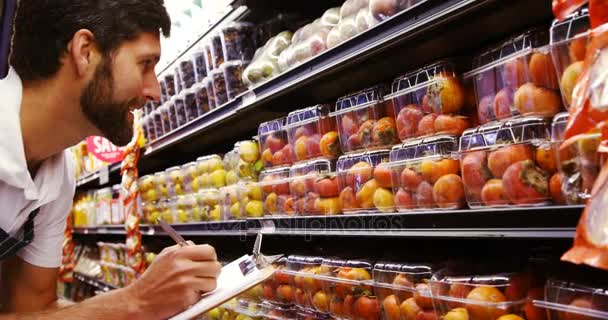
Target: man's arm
column 171, row 284
column 26, row 287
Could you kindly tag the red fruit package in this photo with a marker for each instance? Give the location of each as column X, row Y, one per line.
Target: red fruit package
column 590, row 114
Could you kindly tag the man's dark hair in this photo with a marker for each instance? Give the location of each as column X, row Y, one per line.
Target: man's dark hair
column 43, row 29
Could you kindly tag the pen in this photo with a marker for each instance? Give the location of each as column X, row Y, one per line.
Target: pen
column 172, row 233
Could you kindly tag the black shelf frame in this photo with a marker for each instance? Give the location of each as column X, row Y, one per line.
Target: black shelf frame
column 551, row 222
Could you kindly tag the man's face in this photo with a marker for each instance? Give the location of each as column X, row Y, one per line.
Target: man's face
column 122, row 83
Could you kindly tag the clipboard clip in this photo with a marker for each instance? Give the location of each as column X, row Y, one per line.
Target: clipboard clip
column 262, row 261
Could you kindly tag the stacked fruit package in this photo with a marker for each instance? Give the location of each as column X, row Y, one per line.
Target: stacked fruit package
column 314, row 188
column 425, row 174
column 429, row 101
column 130, row 193
column 589, row 116
column 403, row 290
column 571, row 300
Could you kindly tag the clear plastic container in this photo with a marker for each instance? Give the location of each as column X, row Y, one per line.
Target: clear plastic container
column 238, row 41
column 502, row 164
column 242, row 200
column 360, row 192
column 569, row 39
column 208, row 85
column 247, row 309
column 276, row 150
column 249, row 164
column 202, row 98
column 208, row 57
column 219, row 87
column 162, row 184
column 314, row 188
column 424, row 174
column 187, row 73
column 516, row 78
column 200, row 64
column 365, row 121
column 184, row 205
column 148, row 189
column 165, row 207
column 178, row 80
column 274, row 184
column 478, row 294
column 278, row 289
column 217, row 51
column 179, row 106
column 150, row 212
column 578, row 165
column 233, row 74
column 170, row 84
column 190, row 104
column 277, row 312
column 349, row 288
column 209, row 206
column 173, row 114
column 310, row 133
column 158, row 123
column 175, row 179
column 164, row 95
column 567, row 300
column 429, row 101
column 211, row 172
column 165, row 114
column 303, row 269
column 191, row 175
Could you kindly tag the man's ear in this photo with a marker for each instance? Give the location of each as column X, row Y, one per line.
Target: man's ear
column 83, row 51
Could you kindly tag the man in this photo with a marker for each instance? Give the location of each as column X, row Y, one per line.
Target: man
column 79, row 67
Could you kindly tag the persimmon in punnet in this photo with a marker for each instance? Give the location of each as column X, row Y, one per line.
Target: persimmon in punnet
column 500, row 159
column 365, row 195
column 348, row 199
column 407, row 121
column 336, row 306
column 584, row 303
column 542, row 71
column 422, row 296
column 320, row 301
column 365, row 133
column 426, row 126
column 448, row 192
column 432, row 170
column 358, row 174
column 327, row 186
column 409, row 309
column 514, row 72
column 502, row 105
column 475, row 173
column 524, row 183
column 390, row 307
column 446, row 94
column 404, row 199
column 555, row 187
column 410, row 179
column 384, row 132
column 330, row 145
column 424, row 195
column 452, row 125
column 530, row 310
column 531, row 99
column 485, row 294
column 493, row 193
column 367, row 308
column 485, row 109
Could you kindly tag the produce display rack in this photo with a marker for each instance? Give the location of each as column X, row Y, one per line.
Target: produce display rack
column 429, row 31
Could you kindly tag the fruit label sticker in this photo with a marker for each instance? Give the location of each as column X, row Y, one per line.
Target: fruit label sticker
column 104, row 150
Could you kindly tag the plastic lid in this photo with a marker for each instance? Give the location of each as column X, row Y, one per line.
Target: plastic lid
column 558, row 126
column 317, row 165
column 207, row 79
column 573, row 25
column 169, row 75
column 235, row 24
column 443, row 145
column 372, row 157
column 215, row 72
column 232, row 63
column 516, row 46
column 298, row 262
column 172, row 169
column 421, row 78
column 271, row 126
column 526, row 129
column 281, row 172
column 309, row 114
column 360, row 99
column 387, row 272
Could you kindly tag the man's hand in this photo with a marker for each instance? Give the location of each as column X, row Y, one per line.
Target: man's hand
column 175, row 280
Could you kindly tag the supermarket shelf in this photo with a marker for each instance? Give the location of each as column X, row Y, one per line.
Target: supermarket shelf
column 427, row 32
column 531, row 222
column 528, row 222
column 94, row 282
column 110, row 174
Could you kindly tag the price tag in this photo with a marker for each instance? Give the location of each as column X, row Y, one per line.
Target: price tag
column 104, row 175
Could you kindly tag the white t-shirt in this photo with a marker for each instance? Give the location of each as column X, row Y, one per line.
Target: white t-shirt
column 52, row 190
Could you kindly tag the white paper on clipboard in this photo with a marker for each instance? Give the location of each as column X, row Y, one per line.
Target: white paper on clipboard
column 235, row 278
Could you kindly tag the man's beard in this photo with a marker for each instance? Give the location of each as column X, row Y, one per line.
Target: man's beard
column 109, row 116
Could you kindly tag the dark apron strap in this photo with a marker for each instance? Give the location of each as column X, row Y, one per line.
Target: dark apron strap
column 9, row 246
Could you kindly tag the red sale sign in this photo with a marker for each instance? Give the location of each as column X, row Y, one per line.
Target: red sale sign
column 104, row 150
